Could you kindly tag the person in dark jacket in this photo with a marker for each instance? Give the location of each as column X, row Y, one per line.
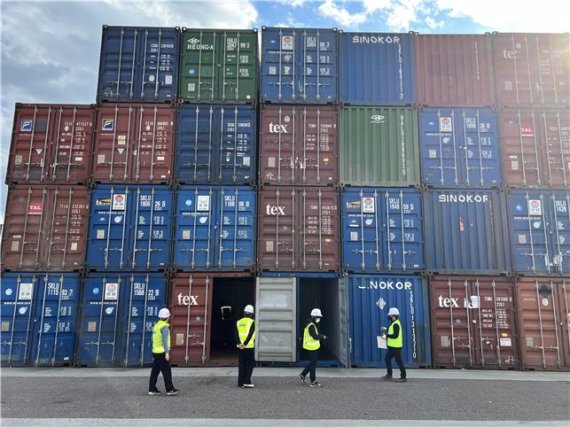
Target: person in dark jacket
column 311, row 344
column 245, row 338
column 394, row 342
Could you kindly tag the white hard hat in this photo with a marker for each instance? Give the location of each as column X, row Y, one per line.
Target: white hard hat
column 248, row 309
column 393, row 311
column 164, row 313
column 316, row 312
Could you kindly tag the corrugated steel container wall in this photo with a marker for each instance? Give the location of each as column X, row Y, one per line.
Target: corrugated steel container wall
column 473, row 322
column 379, row 147
column 118, row 313
column 299, row 229
column 218, row 65
column 466, row 232
column 455, row 70
column 130, row 228
column 535, row 147
column 134, row 143
column 540, row 231
column 532, row 69
column 138, row 64
column 382, row 230
column 216, row 144
column 377, row 69
column 39, row 318
column 215, row 228
column 51, row 144
column 45, row 228
column 543, row 311
column 370, row 298
column 460, row 148
column 299, row 65
column 298, row 145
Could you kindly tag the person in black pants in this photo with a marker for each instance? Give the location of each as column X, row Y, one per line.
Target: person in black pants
column 394, row 341
column 245, row 338
column 161, row 355
column 311, row 344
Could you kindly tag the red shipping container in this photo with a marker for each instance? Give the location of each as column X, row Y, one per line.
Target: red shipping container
column 45, row 228
column 535, row 147
column 298, row 145
column 473, row 322
column 455, row 70
column 134, row 143
column 299, row 229
column 51, row 144
column 532, row 69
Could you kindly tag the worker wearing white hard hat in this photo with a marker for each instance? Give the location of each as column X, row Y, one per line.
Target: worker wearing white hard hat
column 245, row 338
column 394, row 342
column 161, row 355
column 311, row 344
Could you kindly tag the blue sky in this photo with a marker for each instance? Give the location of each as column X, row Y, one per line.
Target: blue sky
column 50, row 49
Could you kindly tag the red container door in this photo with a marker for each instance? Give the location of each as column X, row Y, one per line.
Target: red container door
column 556, row 147
column 564, row 321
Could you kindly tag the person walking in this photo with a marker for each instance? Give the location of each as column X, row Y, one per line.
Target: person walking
column 161, row 355
column 311, row 344
column 394, row 342
column 245, row 338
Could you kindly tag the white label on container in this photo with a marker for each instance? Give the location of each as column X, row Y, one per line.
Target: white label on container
column 269, row 246
column 15, row 246
column 100, row 234
column 529, row 341
column 271, row 162
column 505, row 342
column 545, row 302
column 432, row 153
column 535, row 207
column 119, row 202
column 246, row 161
column 522, row 239
column 514, row 165
column 168, row 79
column 191, row 87
column 445, row 341
column 79, row 159
column 445, row 124
column 122, row 140
column 203, row 204
column 186, row 234
column 180, row 339
column 100, row 159
column 368, row 205
column 26, row 291
column 19, row 159
column 92, row 326
column 111, row 291
column 287, row 42
column 354, row 236
column 5, row 326
column 272, row 70
column 160, row 158
column 73, row 246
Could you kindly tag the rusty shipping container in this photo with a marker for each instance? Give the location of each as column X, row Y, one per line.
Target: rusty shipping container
column 535, row 147
column 51, row 144
column 134, row 143
column 473, row 322
column 543, row 312
column 46, row 228
column 532, row 69
column 455, row 70
column 299, row 145
column 299, row 229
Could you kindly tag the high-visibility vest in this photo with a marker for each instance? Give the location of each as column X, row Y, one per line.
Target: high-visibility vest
column 395, row 342
column 157, row 337
column 309, row 343
column 243, row 327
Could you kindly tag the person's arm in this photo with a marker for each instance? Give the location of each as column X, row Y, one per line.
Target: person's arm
column 250, row 335
column 164, row 333
column 314, row 334
column 236, row 334
column 395, row 333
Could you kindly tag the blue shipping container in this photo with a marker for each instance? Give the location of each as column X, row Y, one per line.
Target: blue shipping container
column 540, row 231
column 460, row 148
column 382, row 230
column 466, row 232
column 216, row 144
column 118, row 313
column 377, row 69
column 129, row 227
column 371, row 296
column 39, row 318
column 299, row 65
column 215, row 228
column 139, row 64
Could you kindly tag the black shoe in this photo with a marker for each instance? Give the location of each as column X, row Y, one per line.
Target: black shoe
column 172, row 392
column 401, row 380
column 154, row 392
column 250, row 385
column 302, row 378
column 314, row 384
column 387, row 378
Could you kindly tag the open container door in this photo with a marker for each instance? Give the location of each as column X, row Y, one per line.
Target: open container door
column 342, row 350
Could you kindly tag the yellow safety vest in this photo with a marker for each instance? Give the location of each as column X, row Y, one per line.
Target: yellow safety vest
column 243, row 327
column 157, row 337
column 309, row 343
column 395, row 342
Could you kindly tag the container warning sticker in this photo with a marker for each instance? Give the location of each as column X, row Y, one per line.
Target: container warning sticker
column 505, row 342
column 19, row 159
column 73, row 246
column 527, row 131
column 35, row 208
column 445, row 124
column 186, row 235
column 111, row 291
column 5, row 326
column 92, row 326
column 180, row 339
column 191, row 87
column 119, row 202
column 26, row 291
column 100, row 159
column 287, row 42
column 354, row 236
column 26, row 126
column 246, row 161
column 515, row 165
column 535, row 207
column 203, row 204
column 368, row 205
column 108, row 124
column 271, row 162
column 122, row 140
column 168, row 79
column 269, row 246
column 522, row 239
column 432, row 153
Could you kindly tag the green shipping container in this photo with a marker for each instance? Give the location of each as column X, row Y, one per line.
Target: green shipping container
column 218, row 66
column 379, row 147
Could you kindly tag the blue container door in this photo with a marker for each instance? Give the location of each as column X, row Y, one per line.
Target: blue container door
column 460, row 148
column 56, row 319
column 237, row 151
column 159, row 58
column 561, row 232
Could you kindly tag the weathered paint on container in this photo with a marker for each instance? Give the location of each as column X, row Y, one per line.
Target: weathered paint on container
column 540, row 231
column 130, row 228
column 134, row 143
column 466, row 232
column 382, row 230
column 45, row 228
column 118, row 313
column 215, row 228
column 371, row 296
column 299, row 229
column 532, row 69
column 377, row 69
column 460, row 148
column 298, row 145
column 379, row 147
column 216, row 144
column 473, row 320
column 51, row 144
column 218, row 65
column 138, row 64
column 455, row 70
column 535, row 147
column 39, row 318
column 543, row 311
column 299, row 65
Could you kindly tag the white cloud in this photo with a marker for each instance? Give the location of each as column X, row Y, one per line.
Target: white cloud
column 403, row 13
column 433, row 24
column 374, row 5
column 341, row 15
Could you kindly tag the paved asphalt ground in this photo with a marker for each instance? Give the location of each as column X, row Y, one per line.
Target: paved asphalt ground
column 110, row 397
